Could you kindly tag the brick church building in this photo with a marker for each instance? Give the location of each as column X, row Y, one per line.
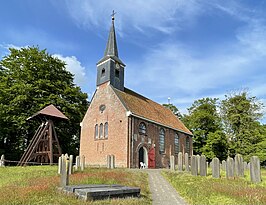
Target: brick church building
column 125, row 124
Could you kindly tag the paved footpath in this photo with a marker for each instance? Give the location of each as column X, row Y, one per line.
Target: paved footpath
column 162, row 192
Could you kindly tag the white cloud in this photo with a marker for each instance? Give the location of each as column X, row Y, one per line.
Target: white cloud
column 75, row 67
column 164, row 16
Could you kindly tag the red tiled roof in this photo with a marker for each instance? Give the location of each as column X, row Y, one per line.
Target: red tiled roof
column 150, row 110
column 50, row 110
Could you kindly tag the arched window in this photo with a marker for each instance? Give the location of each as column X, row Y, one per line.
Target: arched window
column 96, row 132
column 106, row 130
column 187, row 145
column 101, row 130
column 161, row 141
column 142, row 128
column 176, row 143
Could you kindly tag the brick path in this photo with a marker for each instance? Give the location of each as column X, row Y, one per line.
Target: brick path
column 162, row 192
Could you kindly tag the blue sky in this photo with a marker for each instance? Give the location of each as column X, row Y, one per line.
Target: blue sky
column 182, row 49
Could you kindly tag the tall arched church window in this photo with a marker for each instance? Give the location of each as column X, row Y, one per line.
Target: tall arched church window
column 96, row 136
column 106, row 130
column 101, row 130
column 187, row 145
column 142, row 128
column 161, row 141
column 176, row 143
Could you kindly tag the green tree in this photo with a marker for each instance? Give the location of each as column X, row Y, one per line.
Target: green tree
column 216, row 145
column 202, row 119
column 174, row 110
column 30, row 79
column 240, row 115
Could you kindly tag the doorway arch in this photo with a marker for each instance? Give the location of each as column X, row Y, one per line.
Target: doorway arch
column 143, row 156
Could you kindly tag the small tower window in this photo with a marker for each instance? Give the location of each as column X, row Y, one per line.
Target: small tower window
column 117, row 73
column 161, row 141
column 142, row 128
column 176, row 143
column 103, row 72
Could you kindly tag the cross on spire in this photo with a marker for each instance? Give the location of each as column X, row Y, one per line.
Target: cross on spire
column 113, row 15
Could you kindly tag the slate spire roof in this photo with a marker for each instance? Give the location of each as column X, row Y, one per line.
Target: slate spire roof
column 111, row 50
column 111, row 47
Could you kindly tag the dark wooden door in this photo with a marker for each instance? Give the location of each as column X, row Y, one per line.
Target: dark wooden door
column 151, row 158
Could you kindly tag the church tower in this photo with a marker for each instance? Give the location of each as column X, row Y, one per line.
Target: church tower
column 110, row 68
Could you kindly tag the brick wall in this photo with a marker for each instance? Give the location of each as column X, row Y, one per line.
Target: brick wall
column 96, row 151
column 152, row 138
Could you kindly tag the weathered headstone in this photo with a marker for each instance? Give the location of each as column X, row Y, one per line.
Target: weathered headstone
column 186, row 162
column 180, row 161
column 215, row 168
column 108, row 161
column 77, row 166
column 2, row 161
column 198, row 158
column 172, row 163
column 223, row 165
column 82, row 164
column 194, row 165
column 211, row 164
column 112, row 162
column 70, row 170
column 64, row 179
column 255, row 174
column 203, row 168
column 59, row 165
column 239, row 166
column 249, row 166
column 230, row 168
column 245, row 166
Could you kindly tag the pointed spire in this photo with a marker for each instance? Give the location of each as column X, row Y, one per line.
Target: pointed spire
column 111, row 47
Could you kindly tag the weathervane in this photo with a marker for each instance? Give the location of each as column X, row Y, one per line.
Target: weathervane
column 113, row 15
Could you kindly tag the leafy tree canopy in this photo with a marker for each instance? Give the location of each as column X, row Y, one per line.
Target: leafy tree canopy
column 174, row 110
column 31, row 79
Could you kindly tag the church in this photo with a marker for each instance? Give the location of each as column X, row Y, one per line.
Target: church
column 123, row 123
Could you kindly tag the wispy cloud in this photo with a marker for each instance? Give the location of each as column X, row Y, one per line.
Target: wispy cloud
column 138, row 14
column 74, row 66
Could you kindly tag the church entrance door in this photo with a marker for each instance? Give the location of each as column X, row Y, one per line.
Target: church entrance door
column 143, row 157
column 151, row 157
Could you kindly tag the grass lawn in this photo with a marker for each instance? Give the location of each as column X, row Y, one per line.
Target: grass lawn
column 38, row 185
column 207, row 190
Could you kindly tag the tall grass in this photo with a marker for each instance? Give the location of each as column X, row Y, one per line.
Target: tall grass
column 39, row 185
column 207, row 190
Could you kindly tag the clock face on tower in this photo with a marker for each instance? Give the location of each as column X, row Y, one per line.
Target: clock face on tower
column 117, row 65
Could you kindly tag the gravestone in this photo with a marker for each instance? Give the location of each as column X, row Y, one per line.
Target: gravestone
column 77, row 163
column 215, row 168
column 249, row 166
column 239, row 166
column 82, row 164
column 70, row 170
column 64, row 179
column 59, row 165
column 180, row 161
column 245, row 166
column 108, row 160
column 194, row 165
column 198, row 163
column 186, row 162
column 2, row 161
column 112, row 162
column 229, row 168
column 255, row 175
column 223, row 165
column 203, row 168
column 172, row 163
